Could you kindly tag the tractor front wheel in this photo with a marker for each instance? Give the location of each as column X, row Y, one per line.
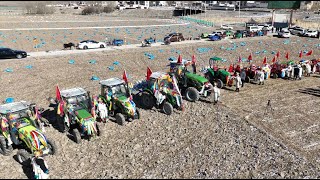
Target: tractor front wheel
column 23, row 157
column 99, row 130
column 76, row 135
column 4, row 148
column 219, row 83
column 167, row 108
column 61, row 125
column 120, row 119
column 52, row 147
column 138, row 114
column 192, row 94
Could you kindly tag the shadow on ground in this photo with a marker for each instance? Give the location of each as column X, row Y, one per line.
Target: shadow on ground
column 310, row 91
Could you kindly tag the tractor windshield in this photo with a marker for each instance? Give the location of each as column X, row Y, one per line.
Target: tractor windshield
column 77, row 101
column 17, row 118
column 119, row 90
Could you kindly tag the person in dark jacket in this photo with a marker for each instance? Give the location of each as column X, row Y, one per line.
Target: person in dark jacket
column 243, row 76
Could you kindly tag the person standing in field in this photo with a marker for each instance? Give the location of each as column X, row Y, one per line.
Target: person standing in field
column 243, row 76
column 238, row 82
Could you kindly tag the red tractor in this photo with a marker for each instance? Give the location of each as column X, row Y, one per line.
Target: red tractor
column 315, row 63
column 277, row 70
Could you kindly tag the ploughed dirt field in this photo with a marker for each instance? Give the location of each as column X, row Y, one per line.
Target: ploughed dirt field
column 236, row 139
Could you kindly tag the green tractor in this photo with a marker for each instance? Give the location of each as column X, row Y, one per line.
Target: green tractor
column 73, row 108
column 20, row 126
column 116, row 95
column 160, row 90
column 219, row 76
column 191, row 84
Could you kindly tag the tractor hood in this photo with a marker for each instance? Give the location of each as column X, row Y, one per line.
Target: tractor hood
column 83, row 114
column 87, row 122
column 33, row 138
column 196, row 77
column 129, row 105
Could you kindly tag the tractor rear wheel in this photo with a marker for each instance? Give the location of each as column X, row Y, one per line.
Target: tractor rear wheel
column 192, row 94
column 120, row 119
column 76, row 135
column 167, row 108
column 4, row 148
column 219, row 83
column 147, row 100
column 23, row 157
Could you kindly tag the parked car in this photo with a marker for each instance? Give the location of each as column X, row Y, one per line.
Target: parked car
column 297, row 31
column 7, row 53
column 285, row 33
column 311, row 33
column 228, row 33
column 174, row 37
column 91, row 44
column 214, row 37
column 216, row 32
column 241, row 34
column 226, row 27
column 252, row 28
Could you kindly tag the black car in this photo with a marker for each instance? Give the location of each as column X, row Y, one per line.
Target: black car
column 7, row 53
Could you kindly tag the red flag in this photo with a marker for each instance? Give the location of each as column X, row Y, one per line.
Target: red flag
column 149, row 72
column 264, row 60
column 58, row 95
column 287, row 55
column 309, row 53
column 300, row 54
column 179, row 59
column 194, row 59
column 274, row 59
column 230, row 68
column 250, row 57
column 278, row 54
column 124, row 76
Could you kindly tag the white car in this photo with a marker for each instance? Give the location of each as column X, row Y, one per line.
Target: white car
column 226, row 27
column 91, row 44
column 311, row 33
column 284, row 33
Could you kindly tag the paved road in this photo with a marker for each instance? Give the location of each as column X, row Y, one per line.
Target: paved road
column 98, row 27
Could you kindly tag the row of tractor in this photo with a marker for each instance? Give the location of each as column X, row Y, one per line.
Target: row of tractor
column 81, row 114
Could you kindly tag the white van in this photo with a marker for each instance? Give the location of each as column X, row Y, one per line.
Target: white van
column 252, row 28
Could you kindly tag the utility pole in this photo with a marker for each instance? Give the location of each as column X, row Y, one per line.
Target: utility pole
column 239, row 7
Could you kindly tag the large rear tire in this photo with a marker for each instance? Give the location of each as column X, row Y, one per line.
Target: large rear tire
column 23, row 157
column 76, row 135
column 120, row 119
column 101, row 46
column 4, row 148
column 192, row 94
column 147, row 100
column 167, row 108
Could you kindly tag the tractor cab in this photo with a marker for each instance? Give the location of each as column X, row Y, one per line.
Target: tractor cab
column 117, row 96
column 78, row 98
column 115, row 87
